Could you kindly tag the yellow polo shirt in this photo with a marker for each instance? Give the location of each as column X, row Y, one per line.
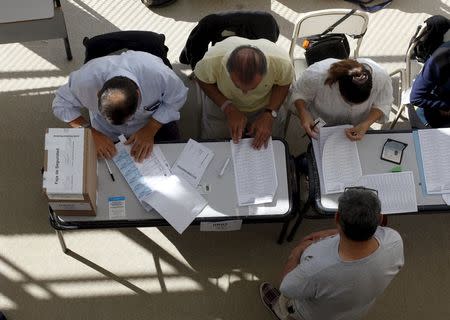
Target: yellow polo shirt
column 212, row 69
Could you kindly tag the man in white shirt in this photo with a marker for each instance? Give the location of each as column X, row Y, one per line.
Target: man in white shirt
column 337, row 274
column 134, row 94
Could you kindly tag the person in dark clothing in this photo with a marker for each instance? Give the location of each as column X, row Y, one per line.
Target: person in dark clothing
column 431, row 89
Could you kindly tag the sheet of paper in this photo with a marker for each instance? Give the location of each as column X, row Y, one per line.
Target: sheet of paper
column 156, row 187
column 340, row 162
column 127, row 166
column 446, row 198
column 174, row 199
column 254, row 171
column 65, row 152
column 192, row 162
column 318, row 144
column 435, row 152
column 397, row 191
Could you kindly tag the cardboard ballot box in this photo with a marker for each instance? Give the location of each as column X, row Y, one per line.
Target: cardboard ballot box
column 70, row 171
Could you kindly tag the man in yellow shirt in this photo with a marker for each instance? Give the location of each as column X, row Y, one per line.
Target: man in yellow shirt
column 246, row 81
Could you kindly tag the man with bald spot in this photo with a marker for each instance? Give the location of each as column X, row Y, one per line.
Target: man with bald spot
column 246, row 82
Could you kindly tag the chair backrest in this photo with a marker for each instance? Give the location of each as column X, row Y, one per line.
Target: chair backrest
column 110, row 43
column 216, row 27
column 315, row 22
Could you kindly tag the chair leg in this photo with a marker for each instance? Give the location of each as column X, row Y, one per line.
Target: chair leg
column 397, row 116
column 68, row 50
column 283, row 232
column 287, row 120
column 298, row 221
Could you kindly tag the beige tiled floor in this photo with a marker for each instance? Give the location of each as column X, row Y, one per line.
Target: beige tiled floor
column 154, row 273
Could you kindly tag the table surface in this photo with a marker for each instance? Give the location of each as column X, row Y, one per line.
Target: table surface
column 369, row 150
column 222, row 198
column 24, row 10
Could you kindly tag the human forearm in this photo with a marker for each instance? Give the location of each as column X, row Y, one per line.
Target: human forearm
column 375, row 114
column 277, row 97
column 212, row 92
column 78, row 122
column 294, row 257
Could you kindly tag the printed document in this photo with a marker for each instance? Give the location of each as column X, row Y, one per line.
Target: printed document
column 397, row 191
column 435, row 152
column 155, row 187
column 65, row 151
column 192, row 162
column 254, row 171
column 340, row 161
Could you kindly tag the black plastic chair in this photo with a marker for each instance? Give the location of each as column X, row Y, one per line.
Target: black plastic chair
column 109, row 43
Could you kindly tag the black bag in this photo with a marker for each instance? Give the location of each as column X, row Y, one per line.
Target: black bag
column 322, row 46
column 430, row 39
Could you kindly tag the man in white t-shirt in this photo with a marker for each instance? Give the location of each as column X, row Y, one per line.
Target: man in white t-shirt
column 337, row 274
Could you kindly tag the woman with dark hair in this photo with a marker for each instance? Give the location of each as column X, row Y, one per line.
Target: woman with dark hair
column 356, row 92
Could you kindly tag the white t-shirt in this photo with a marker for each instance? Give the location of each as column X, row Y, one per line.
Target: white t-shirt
column 327, row 103
column 325, row 287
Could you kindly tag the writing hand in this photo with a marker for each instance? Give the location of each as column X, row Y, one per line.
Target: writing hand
column 104, row 146
column 308, row 124
column 357, row 132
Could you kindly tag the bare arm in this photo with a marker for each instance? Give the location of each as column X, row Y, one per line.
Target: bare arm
column 306, row 119
column 294, row 258
column 103, row 144
column 236, row 119
column 261, row 129
column 358, row 131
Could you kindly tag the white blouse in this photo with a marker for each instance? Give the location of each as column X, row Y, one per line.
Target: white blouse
column 327, row 103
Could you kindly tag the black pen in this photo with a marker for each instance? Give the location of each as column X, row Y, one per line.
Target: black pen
column 109, row 170
column 315, row 124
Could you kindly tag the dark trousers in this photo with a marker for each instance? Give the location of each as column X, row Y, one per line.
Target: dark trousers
column 168, row 132
column 436, row 119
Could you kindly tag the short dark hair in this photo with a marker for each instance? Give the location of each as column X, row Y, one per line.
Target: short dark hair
column 354, row 79
column 359, row 213
column 247, row 61
column 118, row 110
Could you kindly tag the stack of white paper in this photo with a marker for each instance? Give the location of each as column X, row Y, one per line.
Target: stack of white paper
column 154, row 185
column 340, row 162
column 255, row 172
column 192, row 162
column 435, row 152
column 397, row 191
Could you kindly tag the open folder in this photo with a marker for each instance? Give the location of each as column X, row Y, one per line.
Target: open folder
column 156, row 187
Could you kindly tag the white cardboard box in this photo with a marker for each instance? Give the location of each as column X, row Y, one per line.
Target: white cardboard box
column 70, row 171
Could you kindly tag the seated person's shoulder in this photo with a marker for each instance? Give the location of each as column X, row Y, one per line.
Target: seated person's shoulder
column 388, row 236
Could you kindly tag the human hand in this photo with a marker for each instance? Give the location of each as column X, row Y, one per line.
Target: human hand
column 236, row 122
column 142, row 141
column 261, row 130
column 445, row 113
column 357, row 132
column 104, row 146
column 308, row 124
